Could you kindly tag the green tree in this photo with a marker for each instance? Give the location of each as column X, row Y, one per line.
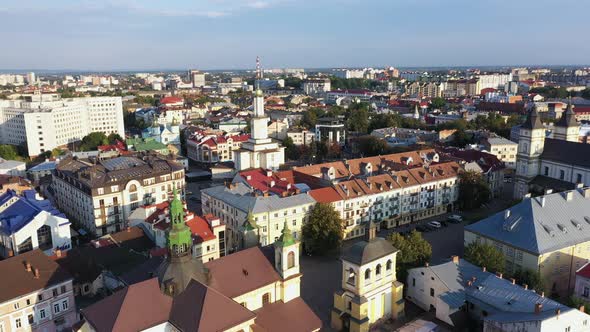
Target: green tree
column 384, row 121
column 91, row 141
column 370, row 146
column 9, row 152
column 113, row 137
column 414, row 251
column 57, row 152
column 358, row 118
column 438, row 103
column 487, row 255
column 292, row 152
column 473, row 190
column 324, row 230
column 531, row 278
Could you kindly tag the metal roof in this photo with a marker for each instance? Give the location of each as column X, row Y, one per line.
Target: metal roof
column 541, row 224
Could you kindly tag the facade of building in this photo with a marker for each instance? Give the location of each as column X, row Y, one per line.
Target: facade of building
column 164, row 133
column 28, row 222
column 213, row 148
column 582, row 286
column 255, row 205
column 208, row 232
column 548, row 234
column 316, row 87
column 99, row 195
column 458, row 291
column 259, row 150
column 197, row 78
column 393, row 190
column 46, row 124
column 330, row 130
column 494, row 80
column 256, row 288
column 420, row 89
column 301, row 137
column 369, row 290
column 37, row 295
column 277, row 129
column 503, row 149
column 558, row 163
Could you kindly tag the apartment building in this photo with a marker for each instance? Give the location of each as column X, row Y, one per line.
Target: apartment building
column 494, row 80
column 463, row 87
column 37, row 294
column 255, row 206
column 28, row 222
column 209, row 148
column 316, row 87
column 504, row 149
column 331, row 130
column 46, row 122
column 549, row 234
column 208, row 232
column 392, row 190
column 100, row 194
column 301, row 136
column 419, row 89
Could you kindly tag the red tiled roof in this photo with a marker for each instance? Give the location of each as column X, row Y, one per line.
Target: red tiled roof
column 201, row 230
column 325, row 195
column 171, row 100
column 259, row 179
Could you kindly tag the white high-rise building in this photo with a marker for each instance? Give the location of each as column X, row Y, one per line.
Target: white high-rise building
column 46, row 124
column 31, row 78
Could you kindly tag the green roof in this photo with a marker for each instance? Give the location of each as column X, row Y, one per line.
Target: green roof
column 140, row 144
column 286, row 239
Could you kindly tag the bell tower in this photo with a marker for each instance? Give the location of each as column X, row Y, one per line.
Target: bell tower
column 179, row 236
column 567, row 128
column 287, row 263
column 531, row 142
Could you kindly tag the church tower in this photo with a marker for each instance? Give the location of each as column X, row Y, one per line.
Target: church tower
column 287, row 263
column 567, row 128
column 530, row 146
column 179, row 236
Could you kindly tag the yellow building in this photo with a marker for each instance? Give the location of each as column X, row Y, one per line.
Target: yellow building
column 549, row 234
column 370, row 291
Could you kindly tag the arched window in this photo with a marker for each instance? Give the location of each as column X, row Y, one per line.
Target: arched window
column 378, row 270
column 290, row 260
column 351, row 277
column 132, row 188
column 388, row 265
column 367, row 274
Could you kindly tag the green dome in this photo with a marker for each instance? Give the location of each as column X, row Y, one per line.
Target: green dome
column 286, row 239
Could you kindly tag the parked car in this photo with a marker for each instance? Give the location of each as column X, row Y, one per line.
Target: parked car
column 435, row 224
column 455, row 218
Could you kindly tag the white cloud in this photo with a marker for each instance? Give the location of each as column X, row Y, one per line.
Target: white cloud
column 259, row 4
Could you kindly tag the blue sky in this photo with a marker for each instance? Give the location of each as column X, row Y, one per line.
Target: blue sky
column 228, row 34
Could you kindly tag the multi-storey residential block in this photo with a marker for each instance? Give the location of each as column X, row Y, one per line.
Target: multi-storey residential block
column 393, row 189
column 431, row 90
column 455, row 88
column 29, row 222
column 494, row 80
column 255, row 206
column 213, row 148
column 99, row 195
column 208, row 232
column 301, row 136
column 37, row 294
column 549, row 234
column 316, row 87
column 47, row 122
column 504, row 149
column 458, row 291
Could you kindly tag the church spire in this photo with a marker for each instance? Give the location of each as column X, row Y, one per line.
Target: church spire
column 533, row 120
column 286, row 239
column 568, row 118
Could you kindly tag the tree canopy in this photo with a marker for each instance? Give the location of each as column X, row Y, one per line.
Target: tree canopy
column 531, row 278
column 91, row 141
column 370, row 146
column 414, row 251
column 324, row 230
column 473, row 190
column 9, row 152
column 487, row 255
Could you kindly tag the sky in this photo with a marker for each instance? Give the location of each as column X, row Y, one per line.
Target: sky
column 229, row 34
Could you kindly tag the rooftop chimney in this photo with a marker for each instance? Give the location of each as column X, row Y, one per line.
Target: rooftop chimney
column 542, row 294
column 557, row 312
column 36, row 273
column 426, row 264
column 27, row 266
column 538, row 308
column 579, row 185
column 586, row 192
column 506, row 214
column 581, row 308
column 548, row 191
column 525, row 286
column 528, row 195
column 371, row 231
column 455, row 259
column 484, row 269
column 58, row 252
column 569, row 195
column 513, row 281
column 499, row 275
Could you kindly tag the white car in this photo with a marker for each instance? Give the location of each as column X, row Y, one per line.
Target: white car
column 455, row 218
column 434, row 224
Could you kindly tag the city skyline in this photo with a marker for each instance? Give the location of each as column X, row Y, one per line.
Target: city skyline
column 228, row 34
